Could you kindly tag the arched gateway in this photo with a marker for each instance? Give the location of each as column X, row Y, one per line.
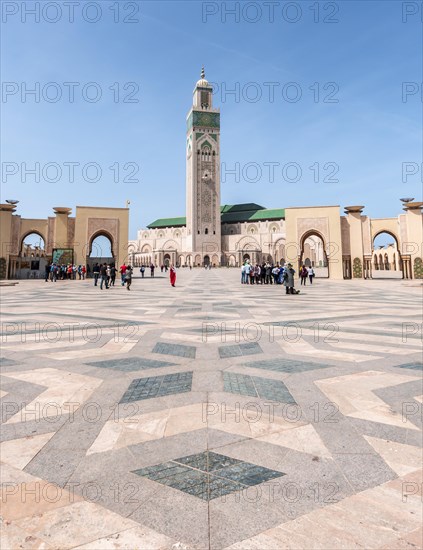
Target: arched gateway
column 61, row 238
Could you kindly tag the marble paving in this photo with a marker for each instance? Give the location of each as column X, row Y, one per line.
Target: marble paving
column 212, row 415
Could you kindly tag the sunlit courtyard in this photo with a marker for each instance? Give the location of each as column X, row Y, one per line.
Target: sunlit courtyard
column 212, row 414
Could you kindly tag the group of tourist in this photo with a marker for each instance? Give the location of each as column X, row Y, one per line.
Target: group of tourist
column 54, row 272
column 107, row 275
column 270, row 274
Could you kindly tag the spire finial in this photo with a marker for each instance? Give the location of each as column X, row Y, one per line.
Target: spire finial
column 203, row 74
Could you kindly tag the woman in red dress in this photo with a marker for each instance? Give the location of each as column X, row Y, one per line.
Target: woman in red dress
column 172, row 275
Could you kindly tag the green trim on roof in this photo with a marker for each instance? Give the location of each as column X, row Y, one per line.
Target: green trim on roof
column 253, row 215
column 270, row 214
column 230, row 213
column 168, row 222
column 244, row 207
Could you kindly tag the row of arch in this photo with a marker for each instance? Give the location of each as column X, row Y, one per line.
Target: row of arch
column 101, row 245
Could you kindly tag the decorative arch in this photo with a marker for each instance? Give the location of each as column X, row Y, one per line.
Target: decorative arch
column 170, row 245
column 101, row 233
column 27, row 234
column 279, row 248
column 388, row 232
column 146, row 249
column 247, row 243
column 231, row 260
column 319, row 235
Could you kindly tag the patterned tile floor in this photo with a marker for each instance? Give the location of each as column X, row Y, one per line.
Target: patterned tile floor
column 212, row 415
column 208, row 475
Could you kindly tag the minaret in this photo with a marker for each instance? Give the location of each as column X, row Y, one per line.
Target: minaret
column 203, row 175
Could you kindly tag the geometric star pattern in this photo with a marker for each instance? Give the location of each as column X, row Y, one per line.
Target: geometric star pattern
column 169, row 433
column 208, row 475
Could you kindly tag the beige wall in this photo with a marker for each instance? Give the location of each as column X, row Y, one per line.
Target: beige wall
column 320, row 220
column 64, row 231
column 92, row 221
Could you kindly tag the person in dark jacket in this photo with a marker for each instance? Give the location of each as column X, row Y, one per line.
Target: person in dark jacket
column 128, row 277
column 289, row 280
column 103, row 276
column 96, row 273
column 112, row 275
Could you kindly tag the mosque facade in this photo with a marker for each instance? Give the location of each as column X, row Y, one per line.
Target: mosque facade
column 337, row 246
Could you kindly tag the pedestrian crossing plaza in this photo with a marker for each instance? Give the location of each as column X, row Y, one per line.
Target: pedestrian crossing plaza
column 211, row 415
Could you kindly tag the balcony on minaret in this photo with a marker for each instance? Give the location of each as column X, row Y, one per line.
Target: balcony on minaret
column 203, row 94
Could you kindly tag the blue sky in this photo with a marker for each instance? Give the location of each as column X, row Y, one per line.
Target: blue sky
column 368, row 134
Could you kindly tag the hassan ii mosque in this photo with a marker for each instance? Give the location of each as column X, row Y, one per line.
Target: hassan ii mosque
column 227, row 235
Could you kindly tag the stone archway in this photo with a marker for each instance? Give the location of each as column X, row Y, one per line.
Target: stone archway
column 387, row 259
column 100, row 252
column 313, row 247
column 32, row 258
column 248, row 245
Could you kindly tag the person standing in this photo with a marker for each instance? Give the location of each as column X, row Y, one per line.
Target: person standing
column 310, row 272
column 103, row 276
column 109, row 274
column 275, row 273
column 112, row 275
column 142, row 271
column 303, row 275
column 128, row 277
column 243, row 274
column 152, row 270
column 84, row 271
column 268, row 274
column 96, row 273
column 247, row 272
column 280, row 276
column 172, row 275
column 122, row 272
column 47, row 271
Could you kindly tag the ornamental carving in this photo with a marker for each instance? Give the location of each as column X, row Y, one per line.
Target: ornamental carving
column 51, row 225
column 306, row 225
column 16, row 229
column 71, row 231
column 108, row 226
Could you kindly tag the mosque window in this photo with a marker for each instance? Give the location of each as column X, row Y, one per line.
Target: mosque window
column 204, row 100
column 206, row 231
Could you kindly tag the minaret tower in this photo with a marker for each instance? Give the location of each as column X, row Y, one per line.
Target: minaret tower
column 203, row 175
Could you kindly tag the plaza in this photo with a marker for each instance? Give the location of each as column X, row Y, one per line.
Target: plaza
column 212, row 415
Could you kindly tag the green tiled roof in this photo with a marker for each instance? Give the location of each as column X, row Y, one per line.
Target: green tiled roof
column 230, row 213
column 168, row 222
column 241, row 207
column 253, row 215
